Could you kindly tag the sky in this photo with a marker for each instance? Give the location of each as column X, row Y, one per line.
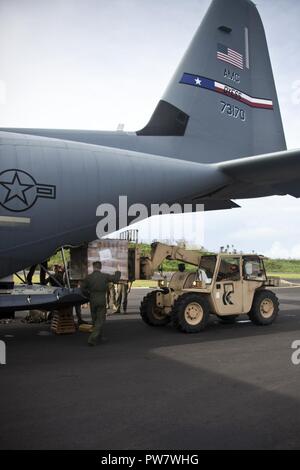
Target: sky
column 92, row 64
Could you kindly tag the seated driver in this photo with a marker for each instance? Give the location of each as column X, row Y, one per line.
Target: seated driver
column 234, row 272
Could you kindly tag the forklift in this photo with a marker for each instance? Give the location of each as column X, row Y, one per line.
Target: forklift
column 226, row 285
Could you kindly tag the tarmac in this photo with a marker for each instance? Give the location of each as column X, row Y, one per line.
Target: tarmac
column 229, row 387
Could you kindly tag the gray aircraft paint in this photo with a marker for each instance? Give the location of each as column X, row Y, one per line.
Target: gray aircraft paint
column 53, row 186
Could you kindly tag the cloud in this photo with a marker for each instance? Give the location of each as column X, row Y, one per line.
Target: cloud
column 265, row 225
column 278, row 250
column 255, row 232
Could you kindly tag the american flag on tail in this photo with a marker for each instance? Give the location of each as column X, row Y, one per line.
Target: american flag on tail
column 230, row 56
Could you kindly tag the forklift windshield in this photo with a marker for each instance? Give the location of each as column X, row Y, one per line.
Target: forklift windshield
column 207, row 268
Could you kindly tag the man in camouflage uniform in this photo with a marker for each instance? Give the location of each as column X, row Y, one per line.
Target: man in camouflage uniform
column 111, row 296
column 95, row 286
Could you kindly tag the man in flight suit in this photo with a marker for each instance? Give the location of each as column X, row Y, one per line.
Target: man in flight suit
column 95, row 285
column 123, row 290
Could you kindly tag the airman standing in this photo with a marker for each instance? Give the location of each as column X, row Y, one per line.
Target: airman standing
column 95, row 286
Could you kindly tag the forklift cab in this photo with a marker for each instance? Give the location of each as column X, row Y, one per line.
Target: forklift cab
column 236, row 279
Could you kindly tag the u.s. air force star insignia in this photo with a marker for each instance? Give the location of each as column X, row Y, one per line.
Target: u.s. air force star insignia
column 19, row 191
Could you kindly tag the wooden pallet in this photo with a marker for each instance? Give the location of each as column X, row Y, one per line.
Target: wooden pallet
column 63, row 322
column 85, row 328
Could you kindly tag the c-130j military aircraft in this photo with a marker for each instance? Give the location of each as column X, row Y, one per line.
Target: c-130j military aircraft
column 216, row 135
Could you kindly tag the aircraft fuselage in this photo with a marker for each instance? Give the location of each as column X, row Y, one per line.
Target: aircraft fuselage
column 50, row 190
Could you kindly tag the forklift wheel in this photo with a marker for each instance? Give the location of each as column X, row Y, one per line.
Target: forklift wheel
column 265, row 308
column 228, row 319
column 190, row 313
column 150, row 313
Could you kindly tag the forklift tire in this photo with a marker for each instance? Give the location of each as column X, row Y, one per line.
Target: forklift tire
column 150, row 313
column 265, row 308
column 228, row 319
column 190, row 313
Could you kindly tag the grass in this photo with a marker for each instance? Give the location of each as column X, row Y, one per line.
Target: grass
column 145, row 284
column 283, row 266
column 285, row 275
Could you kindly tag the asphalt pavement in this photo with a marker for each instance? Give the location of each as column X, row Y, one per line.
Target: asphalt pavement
column 229, row 387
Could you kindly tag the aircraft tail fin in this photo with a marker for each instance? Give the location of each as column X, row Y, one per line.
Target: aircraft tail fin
column 221, row 103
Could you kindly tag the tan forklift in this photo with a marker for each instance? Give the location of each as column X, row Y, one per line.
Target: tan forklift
column 226, row 285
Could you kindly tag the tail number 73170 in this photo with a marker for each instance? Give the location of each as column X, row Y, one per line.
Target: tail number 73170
column 233, row 111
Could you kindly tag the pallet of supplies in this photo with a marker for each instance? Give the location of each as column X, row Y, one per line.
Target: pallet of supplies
column 113, row 255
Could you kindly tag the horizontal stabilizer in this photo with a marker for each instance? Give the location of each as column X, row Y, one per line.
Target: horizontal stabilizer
column 210, row 204
column 279, row 171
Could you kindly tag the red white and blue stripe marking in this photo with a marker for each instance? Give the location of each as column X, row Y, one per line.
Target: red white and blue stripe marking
column 208, row 84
